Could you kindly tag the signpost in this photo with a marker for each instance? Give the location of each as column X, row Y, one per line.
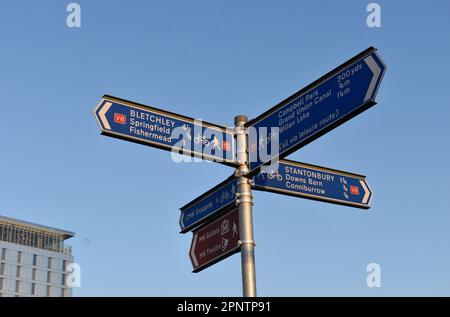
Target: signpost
column 135, row 122
column 215, row 241
column 222, row 218
column 315, row 182
column 208, row 204
column 318, row 108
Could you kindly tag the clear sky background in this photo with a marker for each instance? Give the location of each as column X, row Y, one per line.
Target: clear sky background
column 214, row 60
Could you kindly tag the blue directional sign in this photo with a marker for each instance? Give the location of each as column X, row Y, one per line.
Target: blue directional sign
column 155, row 127
column 315, row 182
column 318, row 108
column 212, row 203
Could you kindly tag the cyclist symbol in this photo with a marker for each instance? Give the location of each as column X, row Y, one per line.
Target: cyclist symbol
column 201, row 139
column 225, row 196
column 275, row 174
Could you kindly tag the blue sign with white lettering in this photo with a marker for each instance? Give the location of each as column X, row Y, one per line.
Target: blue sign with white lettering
column 337, row 97
column 209, row 204
column 314, row 182
column 143, row 124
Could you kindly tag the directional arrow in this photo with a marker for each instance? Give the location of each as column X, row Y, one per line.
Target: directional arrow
column 318, row 108
column 102, row 115
column 315, row 182
column 376, row 70
column 367, row 192
column 215, row 241
column 192, row 251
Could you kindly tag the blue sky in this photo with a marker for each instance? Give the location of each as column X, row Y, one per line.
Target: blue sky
column 214, row 60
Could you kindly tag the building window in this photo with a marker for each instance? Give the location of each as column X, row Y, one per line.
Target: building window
column 33, row 275
column 19, row 257
column 13, row 235
column 18, row 271
column 34, row 239
column 2, row 269
column 48, row 291
column 34, row 259
column 33, row 289
column 63, row 279
column 7, row 232
column 1, row 283
column 48, row 276
column 30, row 238
column 39, row 241
column 17, row 286
column 46, row 242
column 3, row 254
column 49, row 265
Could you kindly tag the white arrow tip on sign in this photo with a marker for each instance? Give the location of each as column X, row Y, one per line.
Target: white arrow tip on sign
column 376, row 70
column 102, row 115
column 181, row 221
column 192, row 252
column 367, row 192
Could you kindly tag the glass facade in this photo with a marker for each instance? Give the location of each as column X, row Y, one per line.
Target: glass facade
column 33, row 259
column 31, row 237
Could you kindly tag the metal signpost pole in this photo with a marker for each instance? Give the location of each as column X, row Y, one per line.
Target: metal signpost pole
column 245, row 202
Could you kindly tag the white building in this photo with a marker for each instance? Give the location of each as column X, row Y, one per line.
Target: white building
column 33, row 259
